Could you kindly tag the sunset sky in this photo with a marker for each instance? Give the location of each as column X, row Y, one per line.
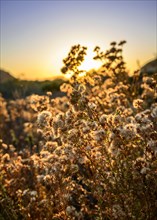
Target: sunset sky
column 37, row 35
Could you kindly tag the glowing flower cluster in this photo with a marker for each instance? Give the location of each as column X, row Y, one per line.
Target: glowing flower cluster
column 97, row 151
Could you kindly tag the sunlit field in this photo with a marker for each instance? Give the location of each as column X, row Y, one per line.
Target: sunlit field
column 89, row 155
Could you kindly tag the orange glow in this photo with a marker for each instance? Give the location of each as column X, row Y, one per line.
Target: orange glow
column 89, row 63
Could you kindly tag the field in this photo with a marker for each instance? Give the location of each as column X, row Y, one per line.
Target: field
column 89, row 155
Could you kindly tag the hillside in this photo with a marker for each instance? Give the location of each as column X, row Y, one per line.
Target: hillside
column 150, row 67
column 13, row 88
column 5, row 76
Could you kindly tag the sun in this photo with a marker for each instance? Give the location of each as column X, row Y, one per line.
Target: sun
column 89, row 63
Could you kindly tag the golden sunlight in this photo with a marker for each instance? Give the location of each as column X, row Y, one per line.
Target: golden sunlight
column 89, row 63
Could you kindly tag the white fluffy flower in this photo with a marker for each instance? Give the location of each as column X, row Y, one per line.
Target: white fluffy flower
column 144, row 170
column 103, row 119
column 44, row 118
column 154, row 112
column 129, row 131
column 153, row 145
column 86, row 129
column 99, row 135
column 70, row 210
column 33, row 193
column 91, row 105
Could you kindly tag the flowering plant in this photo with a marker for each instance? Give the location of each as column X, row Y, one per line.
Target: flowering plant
column 98, row 157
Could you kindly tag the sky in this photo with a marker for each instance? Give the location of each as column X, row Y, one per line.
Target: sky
column 36, row 35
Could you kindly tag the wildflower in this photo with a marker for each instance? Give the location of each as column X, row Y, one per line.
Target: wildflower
column 146, row 129
column 73, row 134
column 97, row 155
column 92, row 106
column 43, row 202
column 99, row 135
column 83, row 160
column 19, row 192
column 138, row 103
column 85, row 129
column 6, row 158
column 33, row 193
column 4, row 146
column 116, row 119
column 58, row 121
column 111, row 136
column 118, row 212
column 128, row 131
column 12, row 148
column 148, row 91
column 26, row 191
column 142, row 117
column 58, row 151
column 103, row 119
column 65, row 87
column 47, row 178
column 131, row 119
column 74, row 168
column 69, row 114
column 49, row 93
column 144, row 170
column 93, row 125
column 113, row 148
column 148, row 80
column 81, row 88
column 40, row 178
column 44, row 118
column 33, row 199
column 152, row 145
column 70, row 210
column 88, row 148
column 154, row 113
column 44, row 153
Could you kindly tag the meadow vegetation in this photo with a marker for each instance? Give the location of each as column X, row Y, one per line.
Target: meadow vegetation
column 17, row 89
column 90, row 155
